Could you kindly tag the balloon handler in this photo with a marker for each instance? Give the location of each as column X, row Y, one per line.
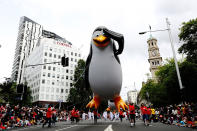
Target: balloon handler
column 103, row 73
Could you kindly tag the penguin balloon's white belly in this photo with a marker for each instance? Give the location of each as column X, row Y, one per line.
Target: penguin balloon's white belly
column 105, row 74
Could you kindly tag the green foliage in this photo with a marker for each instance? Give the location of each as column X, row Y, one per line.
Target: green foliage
column 188, row 34
column 167, row 91
column 189, row 80
column 79, row 95
column 8, row 94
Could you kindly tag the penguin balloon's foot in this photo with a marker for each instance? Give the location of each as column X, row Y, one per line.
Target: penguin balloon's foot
column 95, row 102
column 119, row 103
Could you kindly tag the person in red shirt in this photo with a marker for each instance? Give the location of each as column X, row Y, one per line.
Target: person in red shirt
column 48, row 117
column 73, row 115
column 143, row 109
column 132, row 114
column 121, row 114
column 149, row 114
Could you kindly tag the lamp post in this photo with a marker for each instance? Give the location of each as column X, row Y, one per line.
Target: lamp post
column 172, row 46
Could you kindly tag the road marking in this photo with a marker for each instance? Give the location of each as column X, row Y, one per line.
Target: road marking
column 66, row 128
column 109, row 128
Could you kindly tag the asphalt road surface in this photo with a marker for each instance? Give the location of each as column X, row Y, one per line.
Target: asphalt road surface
column 105, row 126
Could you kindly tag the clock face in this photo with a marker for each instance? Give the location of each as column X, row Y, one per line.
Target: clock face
column 154, row 52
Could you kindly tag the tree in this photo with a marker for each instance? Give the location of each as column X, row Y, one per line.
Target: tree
column 189, row 79
column 79, row 94
column 9, row 94
column 188, row 34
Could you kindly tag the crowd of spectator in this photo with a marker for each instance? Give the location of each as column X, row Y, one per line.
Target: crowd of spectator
column 184, row 115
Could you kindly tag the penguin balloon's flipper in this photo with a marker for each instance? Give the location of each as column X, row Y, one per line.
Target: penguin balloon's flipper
column 116, row 36
column 119, row 103
column 87, row 84
column 95, row 102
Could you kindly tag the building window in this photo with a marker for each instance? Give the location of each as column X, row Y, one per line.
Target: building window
column 53, row 76
column 53, row 68
column 62, row 90
column 71, row 53
column 152, row 63
column 67, row 71
column 59, row 57
column 79, row 55
column 49, row 67
column 71, row 71
column 45, row 54
column 71, row 84
column 54, row 55
column 44, row 74
column 58, row 76
column 66, row 77
column 47, row 97
column 71, row 78
column 49, row 75
column 48, row 82
column 51, row 49
column 57, row 90
column 158, row 62
column 50, row 54
column 53, row 83
column 62, row 83
column 75, row 54
column 44, row 67
column 52, row 89
column 43, row 81
column 45, row 60
column 47, row 89
column 62, row 76
column 66, row 90
column 75, row 60
column 71, row 59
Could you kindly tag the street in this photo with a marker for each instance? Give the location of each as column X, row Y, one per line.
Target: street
column 105, row 126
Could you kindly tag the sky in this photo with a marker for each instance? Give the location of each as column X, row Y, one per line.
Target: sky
column 76, row 20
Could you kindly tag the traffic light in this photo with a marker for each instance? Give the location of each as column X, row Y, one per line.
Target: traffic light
column 64, row 61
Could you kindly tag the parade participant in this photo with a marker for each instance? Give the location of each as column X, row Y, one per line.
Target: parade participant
column 95, row 115
column 48, row 117
column 149, row 114
column 132, row 114
column 108, row 112
column 153, row 114
column 121, row 114
column 77, row 116
column 54, row 117
column 73, row 114
column 143, row 109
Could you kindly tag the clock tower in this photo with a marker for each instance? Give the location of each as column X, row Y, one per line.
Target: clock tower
column 155, row 59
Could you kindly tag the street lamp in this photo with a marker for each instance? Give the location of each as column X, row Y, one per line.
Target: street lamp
column 172, row 46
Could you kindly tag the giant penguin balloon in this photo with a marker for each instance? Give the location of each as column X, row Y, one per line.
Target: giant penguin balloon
column 103, row 70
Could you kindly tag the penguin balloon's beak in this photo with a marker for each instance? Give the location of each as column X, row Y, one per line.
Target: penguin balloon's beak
column 101, row 41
